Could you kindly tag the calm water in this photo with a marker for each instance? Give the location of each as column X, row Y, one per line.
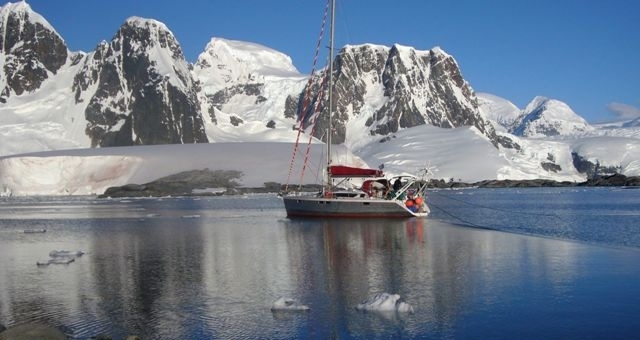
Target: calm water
column 504, row 263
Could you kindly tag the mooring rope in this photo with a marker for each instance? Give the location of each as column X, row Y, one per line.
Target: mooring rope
column 471, row 224
column 464, row 222
column 493, row 208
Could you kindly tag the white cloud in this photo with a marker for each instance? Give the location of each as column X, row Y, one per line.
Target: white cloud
column 624, row 111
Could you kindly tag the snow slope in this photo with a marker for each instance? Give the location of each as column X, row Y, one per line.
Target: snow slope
column 44, row 120
column 498, row 110
column 92, row 171
column 458, row 154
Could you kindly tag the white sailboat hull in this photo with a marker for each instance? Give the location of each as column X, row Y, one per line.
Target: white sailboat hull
column 315, row 206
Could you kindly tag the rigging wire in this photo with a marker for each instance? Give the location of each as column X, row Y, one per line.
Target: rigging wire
column 343, row 16
column 313, row 123
column 307, row 93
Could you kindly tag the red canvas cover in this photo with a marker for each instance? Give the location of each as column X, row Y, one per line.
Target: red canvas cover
column 348, row 171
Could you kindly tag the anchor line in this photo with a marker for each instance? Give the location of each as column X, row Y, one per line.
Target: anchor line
column 496, row 209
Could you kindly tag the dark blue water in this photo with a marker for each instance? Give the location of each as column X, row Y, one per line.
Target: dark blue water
column 607, row 216
column 501, row 264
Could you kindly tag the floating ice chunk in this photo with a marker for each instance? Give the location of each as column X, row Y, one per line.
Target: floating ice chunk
column 56, row 260
column 65, row 253
column 385, row 302
column 62, row 260
column 284, row 303
column 404, row 307
column 61, row 257
column 35, row 231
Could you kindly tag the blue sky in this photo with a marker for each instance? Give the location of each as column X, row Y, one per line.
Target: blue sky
column 585, row 53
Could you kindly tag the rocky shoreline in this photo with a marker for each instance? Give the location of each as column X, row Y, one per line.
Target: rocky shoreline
column 221, row 182
column 615, row 180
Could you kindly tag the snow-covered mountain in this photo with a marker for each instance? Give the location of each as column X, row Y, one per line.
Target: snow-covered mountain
column 542, row 117
column 244, row 90
column 498, row 110
column 395, row 105
column 546, row 131
column 32, row 51
column 545, row 117
column 380, row 90
column 138, row 89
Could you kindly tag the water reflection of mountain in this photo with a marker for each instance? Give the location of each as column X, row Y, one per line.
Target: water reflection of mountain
column 149, row 275
column 150, row 272
column 441, row 270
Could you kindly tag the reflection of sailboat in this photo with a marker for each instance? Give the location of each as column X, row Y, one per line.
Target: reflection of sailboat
column 377, row 196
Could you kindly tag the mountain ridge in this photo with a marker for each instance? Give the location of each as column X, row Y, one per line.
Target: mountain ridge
column 138, row 89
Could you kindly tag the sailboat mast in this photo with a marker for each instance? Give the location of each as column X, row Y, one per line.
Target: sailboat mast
column 330, row 84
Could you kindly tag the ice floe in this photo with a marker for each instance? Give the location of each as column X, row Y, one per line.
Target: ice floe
column 65, row 253
column 385, row 302
column 284, row 304
column 35, row 231
column 61, row 257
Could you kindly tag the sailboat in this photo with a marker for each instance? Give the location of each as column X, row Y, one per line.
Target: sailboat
column 358, row 192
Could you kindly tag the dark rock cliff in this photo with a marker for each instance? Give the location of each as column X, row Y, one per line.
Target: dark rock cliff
column 136, row 102
column 33, row 50
column 417, row 87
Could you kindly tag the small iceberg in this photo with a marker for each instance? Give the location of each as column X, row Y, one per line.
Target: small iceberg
column 385, row 302
column 62, row 260
column 65, row 253
column 288, row 304
column 56, row 260
column 60, row 257
column 35, row 231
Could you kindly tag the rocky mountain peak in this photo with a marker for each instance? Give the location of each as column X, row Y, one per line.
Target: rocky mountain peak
column 410, row 88
column 33, row 51
column 152, row 35
column 143, row 90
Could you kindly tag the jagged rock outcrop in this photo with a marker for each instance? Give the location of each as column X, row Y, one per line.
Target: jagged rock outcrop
column 32, row 50
column 185, row 183
column 134, row 96
column 591, row 169
column 411, row 88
